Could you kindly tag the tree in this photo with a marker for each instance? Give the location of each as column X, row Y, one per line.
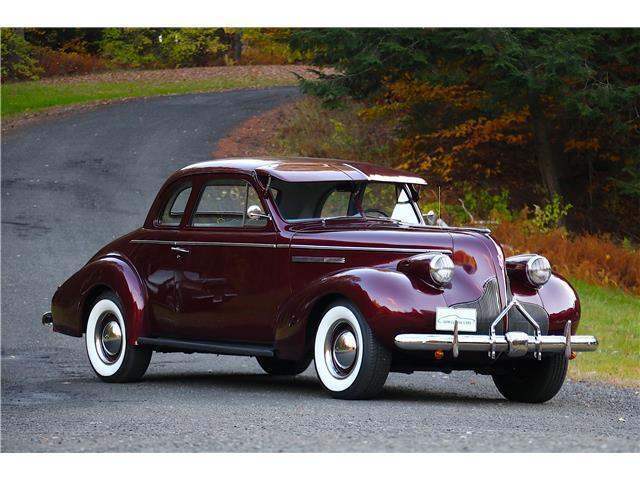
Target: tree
column 563, row 84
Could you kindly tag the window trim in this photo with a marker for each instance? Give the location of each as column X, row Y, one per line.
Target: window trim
column 188, row 224
column 178, row 187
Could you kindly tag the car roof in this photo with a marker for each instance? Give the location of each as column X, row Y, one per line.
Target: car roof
column 304, row 169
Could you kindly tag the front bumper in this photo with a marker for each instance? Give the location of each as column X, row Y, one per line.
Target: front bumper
column 515, row 344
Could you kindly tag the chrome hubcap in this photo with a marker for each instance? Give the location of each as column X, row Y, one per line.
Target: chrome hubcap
column 341, row 350
column 345, row 350
column 109, row 338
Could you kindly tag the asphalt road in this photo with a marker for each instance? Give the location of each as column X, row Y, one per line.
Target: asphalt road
column 71, row 184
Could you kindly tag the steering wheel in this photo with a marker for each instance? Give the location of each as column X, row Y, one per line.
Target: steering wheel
column 375, row 210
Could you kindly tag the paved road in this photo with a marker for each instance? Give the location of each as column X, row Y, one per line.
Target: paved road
column 71, row 184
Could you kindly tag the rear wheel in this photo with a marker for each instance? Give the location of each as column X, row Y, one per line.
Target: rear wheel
column 276, row 366
column 350, row 362
column 533, row 381
column 111, row 357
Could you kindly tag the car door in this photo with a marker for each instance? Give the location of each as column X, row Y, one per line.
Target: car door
column 231, row 279
column 156, row 260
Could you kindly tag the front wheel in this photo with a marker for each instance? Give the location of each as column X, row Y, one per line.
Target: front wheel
column 350, row 362
column 111, row 357
column 533, row 381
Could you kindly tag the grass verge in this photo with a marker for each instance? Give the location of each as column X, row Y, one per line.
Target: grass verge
column 614, row 318
column 25, row 97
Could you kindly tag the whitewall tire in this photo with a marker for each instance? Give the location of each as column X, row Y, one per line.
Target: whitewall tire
column 349, row 360
column 110, row 356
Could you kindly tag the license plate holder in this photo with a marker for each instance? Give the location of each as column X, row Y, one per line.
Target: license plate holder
column 446, row 318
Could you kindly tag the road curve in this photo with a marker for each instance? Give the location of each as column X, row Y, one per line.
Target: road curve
column 71, row 184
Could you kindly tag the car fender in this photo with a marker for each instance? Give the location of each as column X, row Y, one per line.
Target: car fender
column 392, row 302
column 74, row 298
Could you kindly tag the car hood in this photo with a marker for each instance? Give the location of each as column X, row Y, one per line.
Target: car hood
column 477, row 257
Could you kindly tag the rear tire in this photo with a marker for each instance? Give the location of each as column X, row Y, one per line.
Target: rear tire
column 533, row 381
column 110, row 356
column 350, row 362
column 276, row 366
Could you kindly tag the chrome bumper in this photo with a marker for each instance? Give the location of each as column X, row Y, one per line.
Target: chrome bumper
column 515, row 344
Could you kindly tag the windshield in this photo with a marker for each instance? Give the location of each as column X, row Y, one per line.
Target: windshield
column 300, row 201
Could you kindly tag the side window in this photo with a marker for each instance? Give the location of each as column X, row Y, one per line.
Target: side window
column 224, row 203
column 174, row 208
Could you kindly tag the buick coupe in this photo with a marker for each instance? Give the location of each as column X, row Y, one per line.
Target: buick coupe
column 294, row 260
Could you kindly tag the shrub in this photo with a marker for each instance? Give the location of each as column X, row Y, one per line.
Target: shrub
column 19, row 60
column 57, row 62
column 550, row 216
column 313, row 131
column 593, row 258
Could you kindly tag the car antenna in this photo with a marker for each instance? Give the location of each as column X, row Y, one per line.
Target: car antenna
column 439, row 204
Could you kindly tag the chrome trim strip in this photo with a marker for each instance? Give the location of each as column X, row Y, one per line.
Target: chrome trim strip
column 213, row 244
column 300, row 246
column 303, row 259
column 370, row 249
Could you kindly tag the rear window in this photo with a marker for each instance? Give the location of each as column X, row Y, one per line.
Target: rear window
column 173, row 210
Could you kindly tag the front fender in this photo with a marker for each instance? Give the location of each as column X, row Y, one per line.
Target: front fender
column 392, row 302
column 73, row 299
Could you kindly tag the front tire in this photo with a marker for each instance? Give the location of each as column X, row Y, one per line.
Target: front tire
column 276, row 366
column 533, row 381
column 350, row 362
column 111, row 357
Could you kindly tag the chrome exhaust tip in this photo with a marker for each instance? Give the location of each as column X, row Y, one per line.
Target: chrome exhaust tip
column 47, row 318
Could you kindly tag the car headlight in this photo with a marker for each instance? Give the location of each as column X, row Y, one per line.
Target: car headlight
column 441, row 269
column 538, row 270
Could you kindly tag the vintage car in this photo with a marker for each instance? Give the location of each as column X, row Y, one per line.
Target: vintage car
column 293, row 260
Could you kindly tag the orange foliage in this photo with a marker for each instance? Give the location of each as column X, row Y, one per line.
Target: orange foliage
column 592, row 258
column 58, row 62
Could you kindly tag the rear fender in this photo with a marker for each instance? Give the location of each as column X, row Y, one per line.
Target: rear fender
column 392, row 302
column 73, row 299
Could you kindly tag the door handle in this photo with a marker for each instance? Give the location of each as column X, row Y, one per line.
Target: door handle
column 180, row 249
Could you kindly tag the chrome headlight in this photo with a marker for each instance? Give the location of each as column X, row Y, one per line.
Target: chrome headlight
column 441, row 269
column 538, row 270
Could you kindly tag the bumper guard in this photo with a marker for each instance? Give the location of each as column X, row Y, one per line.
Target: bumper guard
column 515, row 344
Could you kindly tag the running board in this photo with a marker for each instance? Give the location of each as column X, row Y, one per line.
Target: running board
column 190, row 346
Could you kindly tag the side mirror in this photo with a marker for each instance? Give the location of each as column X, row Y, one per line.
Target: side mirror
column 255, row 212
column 430, row 217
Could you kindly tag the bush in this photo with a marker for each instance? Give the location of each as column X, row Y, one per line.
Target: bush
column 550, row 216
column 19, row 60
column 310, row 130
column 57, row 62
column 593, row 258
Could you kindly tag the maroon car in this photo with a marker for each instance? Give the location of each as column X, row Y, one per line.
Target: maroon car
column 293, row 260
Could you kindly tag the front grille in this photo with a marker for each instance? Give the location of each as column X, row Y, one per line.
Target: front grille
column 488, row 308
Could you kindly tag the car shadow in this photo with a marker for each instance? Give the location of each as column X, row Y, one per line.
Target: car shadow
column 308, row 386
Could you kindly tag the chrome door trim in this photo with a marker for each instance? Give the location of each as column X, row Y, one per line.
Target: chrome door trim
column 371, row 249
column 213, row 244
column 304, row 259
column 295, row 245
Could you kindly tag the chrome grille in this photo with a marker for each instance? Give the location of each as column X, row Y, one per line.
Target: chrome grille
column 488, row 308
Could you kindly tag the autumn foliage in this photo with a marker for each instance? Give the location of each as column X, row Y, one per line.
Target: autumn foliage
column 592, row 258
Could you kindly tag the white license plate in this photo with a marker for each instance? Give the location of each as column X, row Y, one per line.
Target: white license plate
column 446, row 319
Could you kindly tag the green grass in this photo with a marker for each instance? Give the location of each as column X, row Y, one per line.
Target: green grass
column 31, row 96
column 613, row 317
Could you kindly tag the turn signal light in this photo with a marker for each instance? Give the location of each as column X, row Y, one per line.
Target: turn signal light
column 573, row 355
column 438, row 354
